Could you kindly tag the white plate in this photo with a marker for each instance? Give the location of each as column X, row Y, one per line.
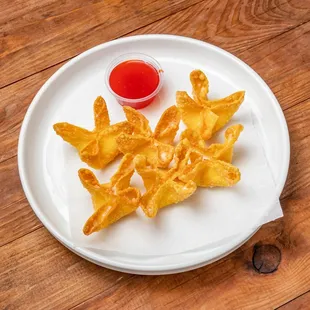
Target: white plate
column 79, row 81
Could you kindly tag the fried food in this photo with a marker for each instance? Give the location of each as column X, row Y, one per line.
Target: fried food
column 224, row 151
column 195, row 116
column 168, row 125
column 225, row 108
column 139, row 121
column 211, row 173
column 156, row 147
column 150, row 153
column 205, row 172
column 98, row 147
column 139, row 144
column 203, row 115
column 200, row 86
column 221, row 151
column 163, row 187
column 113, row 200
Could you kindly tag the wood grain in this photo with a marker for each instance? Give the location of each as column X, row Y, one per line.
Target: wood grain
column 15, row 14
column 233, row 25
column 14, row 103
column 17, row 97
column 278, row 40
column 17, row 219
column 288, row 82
column 233, row 278
column 10, row 189
column 38, row 272
column 32, row 47
column 265, row 58
column 300, row 303
column 57, row 32
column 298, row 180
column 37, row 37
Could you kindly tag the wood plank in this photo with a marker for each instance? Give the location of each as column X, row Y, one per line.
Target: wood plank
column 10, row 189
column 230, row 284
column 299, row 303
column 17, row 219
column 289, row 81
column 255, row 39
column 35, row 46
column 285, row 71
column 16, row 14
column 80, row 282
column 36, row 270
column 16, row 216
column 233, row 25
column 298, row 120
column 264, row 291
column 16, row 98
column 234, row 22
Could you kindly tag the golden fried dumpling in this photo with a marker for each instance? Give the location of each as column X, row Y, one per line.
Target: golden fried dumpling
column 156, row 147
column 113, row 200
column 203, row 115
column 221, row 151
column 210, row 173
column 98, row 147
column 200, row 85
column 196, row 116
column 163, row 187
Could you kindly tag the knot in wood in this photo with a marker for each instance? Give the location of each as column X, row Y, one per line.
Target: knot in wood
column 266, row 258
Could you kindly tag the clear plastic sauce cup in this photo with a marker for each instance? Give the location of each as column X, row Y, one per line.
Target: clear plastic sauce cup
column 134, row 79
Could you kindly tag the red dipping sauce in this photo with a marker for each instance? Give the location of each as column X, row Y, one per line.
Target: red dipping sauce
column 135, row 82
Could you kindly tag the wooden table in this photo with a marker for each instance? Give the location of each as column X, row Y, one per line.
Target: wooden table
column 38, row 37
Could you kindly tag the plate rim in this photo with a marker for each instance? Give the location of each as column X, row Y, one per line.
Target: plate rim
column 106, row 261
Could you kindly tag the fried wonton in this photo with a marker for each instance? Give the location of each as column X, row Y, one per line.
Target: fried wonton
column 225, row 108
column 98, row 147
column 156, row 147
column 210, row 173
column 113, row 200
column 196, row 116
column 221, row 151
column 203, row 115
column 200, row 86
column 163, row 187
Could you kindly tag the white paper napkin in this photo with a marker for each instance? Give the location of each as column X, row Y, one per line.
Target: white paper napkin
column 208, row 218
